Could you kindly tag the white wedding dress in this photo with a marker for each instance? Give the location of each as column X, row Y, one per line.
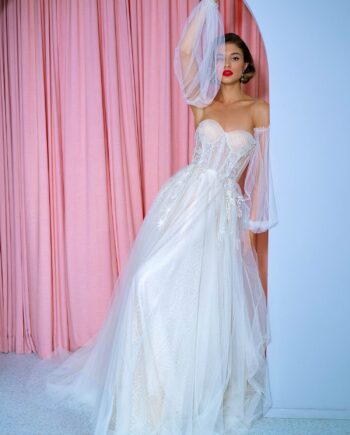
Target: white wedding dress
column 182, row 350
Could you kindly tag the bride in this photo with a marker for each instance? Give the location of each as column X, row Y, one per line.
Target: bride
column 183, row 348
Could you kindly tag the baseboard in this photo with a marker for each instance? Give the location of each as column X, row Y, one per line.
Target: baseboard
column 341, row 414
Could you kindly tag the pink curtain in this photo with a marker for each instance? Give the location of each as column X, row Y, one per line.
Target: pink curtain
column 91, row 125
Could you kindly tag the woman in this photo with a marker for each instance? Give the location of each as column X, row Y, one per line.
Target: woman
column 182, row 350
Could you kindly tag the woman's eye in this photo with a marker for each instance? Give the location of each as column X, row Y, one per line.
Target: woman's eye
column 218, row 58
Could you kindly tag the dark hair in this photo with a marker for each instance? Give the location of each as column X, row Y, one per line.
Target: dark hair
column 249, row 72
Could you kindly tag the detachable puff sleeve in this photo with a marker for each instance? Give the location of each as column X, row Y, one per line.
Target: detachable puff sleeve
column 200, row 54
column 259, row 196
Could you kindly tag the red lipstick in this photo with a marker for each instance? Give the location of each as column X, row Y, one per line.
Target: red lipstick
column 227, row 72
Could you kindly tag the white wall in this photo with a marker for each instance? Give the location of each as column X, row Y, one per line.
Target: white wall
column 308, row 50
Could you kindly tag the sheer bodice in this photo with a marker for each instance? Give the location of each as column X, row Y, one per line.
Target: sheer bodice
column 226, row 152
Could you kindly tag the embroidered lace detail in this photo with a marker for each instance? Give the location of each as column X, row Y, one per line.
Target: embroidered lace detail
column 233, row 210
column 228, row 158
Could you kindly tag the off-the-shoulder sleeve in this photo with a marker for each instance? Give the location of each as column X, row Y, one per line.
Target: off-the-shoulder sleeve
column 259, row 192
column 200, row 54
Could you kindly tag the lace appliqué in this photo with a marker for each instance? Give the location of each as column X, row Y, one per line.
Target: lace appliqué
column 233, row 211
column 232, row 199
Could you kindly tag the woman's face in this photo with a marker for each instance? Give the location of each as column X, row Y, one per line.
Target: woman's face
column 233, row 63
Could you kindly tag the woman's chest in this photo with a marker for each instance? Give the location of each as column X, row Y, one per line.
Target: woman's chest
column 238, row 116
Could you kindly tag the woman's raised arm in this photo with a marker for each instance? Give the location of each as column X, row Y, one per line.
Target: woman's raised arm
column 200, row 53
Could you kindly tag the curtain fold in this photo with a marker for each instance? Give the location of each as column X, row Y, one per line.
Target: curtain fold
column 91, row 125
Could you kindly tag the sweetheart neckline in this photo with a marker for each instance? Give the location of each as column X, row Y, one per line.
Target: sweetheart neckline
column 222, row 129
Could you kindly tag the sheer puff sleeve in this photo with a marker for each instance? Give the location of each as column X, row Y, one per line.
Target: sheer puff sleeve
column 259, row 196
column 200, row 54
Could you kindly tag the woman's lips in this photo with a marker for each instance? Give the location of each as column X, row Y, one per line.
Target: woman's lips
column 227, row 72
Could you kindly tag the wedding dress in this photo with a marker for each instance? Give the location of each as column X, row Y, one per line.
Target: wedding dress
column 182, row 349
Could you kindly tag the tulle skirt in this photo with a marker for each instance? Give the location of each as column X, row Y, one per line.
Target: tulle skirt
column 182, row 349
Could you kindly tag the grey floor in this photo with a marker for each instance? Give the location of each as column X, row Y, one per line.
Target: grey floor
column 21, row 415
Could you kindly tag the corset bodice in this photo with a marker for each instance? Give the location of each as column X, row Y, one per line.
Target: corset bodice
column 226, row 152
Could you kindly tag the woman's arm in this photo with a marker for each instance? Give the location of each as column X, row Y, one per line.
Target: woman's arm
column 259, row 191
column 197, row 65
column 261, row 118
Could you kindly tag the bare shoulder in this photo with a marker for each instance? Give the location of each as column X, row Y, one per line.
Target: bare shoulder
column 261, row 113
